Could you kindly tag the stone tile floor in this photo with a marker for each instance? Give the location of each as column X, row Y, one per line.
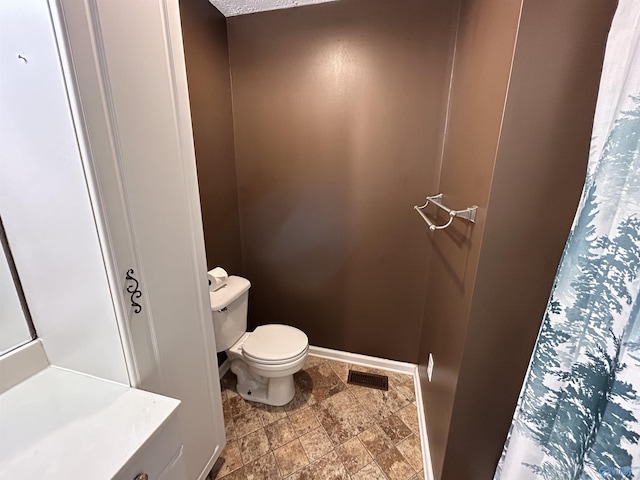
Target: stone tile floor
column 330, row 430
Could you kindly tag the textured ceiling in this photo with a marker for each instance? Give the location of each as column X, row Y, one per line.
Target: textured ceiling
column 229, row 8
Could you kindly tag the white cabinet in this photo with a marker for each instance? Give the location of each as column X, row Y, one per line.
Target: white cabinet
column 160, row 459
column 98, row 179
column 125, row 70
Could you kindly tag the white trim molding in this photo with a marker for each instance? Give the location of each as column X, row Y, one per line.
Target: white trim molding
column 363, row 360
column 422, row 423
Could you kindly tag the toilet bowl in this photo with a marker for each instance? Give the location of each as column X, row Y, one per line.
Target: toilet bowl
column 263, row 360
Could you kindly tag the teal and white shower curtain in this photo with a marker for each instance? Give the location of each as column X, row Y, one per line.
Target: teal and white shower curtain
column 578, row 416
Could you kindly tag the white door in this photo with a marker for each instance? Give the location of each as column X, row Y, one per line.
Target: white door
column 126, row 69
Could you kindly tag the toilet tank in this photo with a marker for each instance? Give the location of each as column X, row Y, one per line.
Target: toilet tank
column 229, row 306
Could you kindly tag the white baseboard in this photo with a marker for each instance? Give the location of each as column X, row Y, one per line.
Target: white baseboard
column 422, row 423
column 383, row 364
column 363, row 360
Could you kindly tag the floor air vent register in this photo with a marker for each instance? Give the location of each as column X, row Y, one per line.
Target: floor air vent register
column 372, row 380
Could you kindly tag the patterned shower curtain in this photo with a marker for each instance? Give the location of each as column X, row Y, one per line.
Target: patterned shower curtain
column 578, row 415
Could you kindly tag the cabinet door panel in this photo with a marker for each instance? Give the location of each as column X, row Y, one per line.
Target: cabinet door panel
column 130, row 77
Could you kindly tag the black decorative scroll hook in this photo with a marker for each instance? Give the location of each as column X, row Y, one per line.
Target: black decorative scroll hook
column 133, row 290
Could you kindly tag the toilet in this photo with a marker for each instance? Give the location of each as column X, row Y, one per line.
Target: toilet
column 263, row 360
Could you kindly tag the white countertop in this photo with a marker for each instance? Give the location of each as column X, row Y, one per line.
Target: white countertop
column 60, row 424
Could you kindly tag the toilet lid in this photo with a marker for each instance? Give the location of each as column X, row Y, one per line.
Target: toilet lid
column 275, row 343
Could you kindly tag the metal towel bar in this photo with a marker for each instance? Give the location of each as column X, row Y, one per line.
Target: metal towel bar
column 468, row 213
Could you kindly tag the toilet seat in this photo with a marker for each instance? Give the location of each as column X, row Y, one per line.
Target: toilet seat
column 275, row 363
column 275, row 344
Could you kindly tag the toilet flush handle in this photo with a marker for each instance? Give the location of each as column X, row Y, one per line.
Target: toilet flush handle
column 222, row 309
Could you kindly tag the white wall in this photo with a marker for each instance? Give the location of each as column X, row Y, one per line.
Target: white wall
column 44, row 201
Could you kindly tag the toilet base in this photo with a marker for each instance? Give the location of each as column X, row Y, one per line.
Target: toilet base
column 276, row 391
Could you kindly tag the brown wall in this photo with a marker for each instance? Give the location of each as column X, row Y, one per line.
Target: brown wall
column 339, row 114
column 207, row 59
column 486, row 39
column 538, row 174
